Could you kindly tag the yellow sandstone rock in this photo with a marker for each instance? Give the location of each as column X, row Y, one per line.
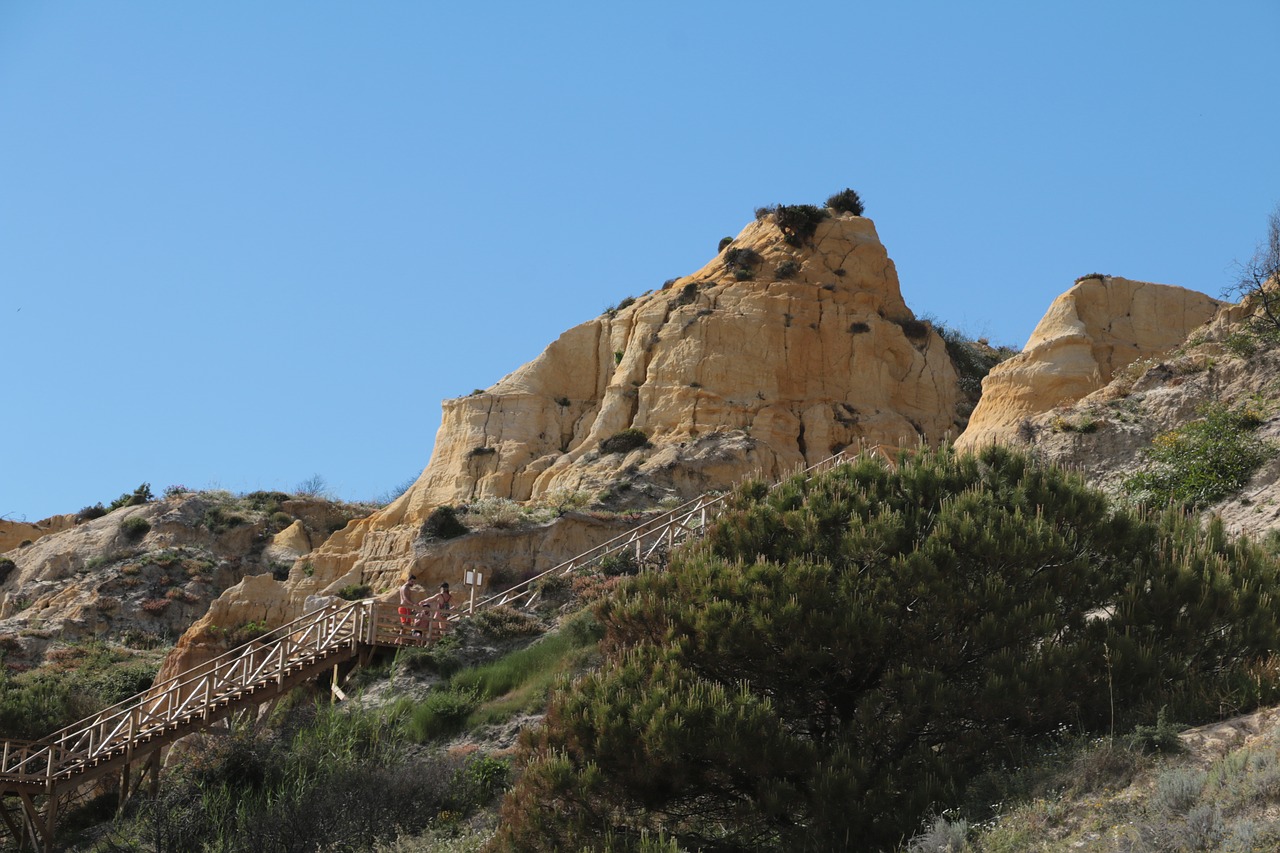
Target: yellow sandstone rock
column 1091, row 332
column 753, row 368
column 14, row 533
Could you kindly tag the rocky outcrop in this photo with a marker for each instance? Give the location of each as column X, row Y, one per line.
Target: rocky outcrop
column 143, row 574
column 782, row 354
column 18, row 534
column 770, row 357
column 1088, row 335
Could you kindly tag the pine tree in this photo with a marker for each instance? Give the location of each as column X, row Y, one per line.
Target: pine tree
column 840, row 654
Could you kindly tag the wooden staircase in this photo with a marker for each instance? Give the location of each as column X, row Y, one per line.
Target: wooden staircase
column 128, row 737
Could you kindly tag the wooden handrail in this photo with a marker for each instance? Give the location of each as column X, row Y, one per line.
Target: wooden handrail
column 195, row 696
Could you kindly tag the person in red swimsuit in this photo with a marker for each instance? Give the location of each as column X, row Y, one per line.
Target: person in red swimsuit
column 408, row 609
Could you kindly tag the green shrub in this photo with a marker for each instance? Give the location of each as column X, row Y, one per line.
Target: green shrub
column 1202, row 462
column 7, row 567
column 1162, row 737
column 619, row 563
column 443, row 523
column 625, row 441
column 798, row 222
column 355, row 592
column 89, row 513
column 137, row 497
column 972, row 360
column 1241, row 344
column 843, row 654
column 787, row 269
column 245, row 632
column 914, row 329
column 742, row 262
column 724, row 241
column 687, row 295
column 846, row 201
column 442, row 713
column 858, row 327
column 135, row 528
column 1083, row 425
column 217, row 519
column 500, row 623
column 268, row 502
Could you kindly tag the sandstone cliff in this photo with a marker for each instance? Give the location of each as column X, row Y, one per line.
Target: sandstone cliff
column 1088, row 335
column 773, row 355
column 783, row 354
column 16, row 534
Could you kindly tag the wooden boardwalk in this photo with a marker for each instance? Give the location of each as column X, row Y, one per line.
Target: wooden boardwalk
column 127, row 739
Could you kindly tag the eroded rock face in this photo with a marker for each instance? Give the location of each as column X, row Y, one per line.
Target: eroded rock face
column 1089, row 334
column 144, row 574
column 14, row 533
column 761, row 362
column 781, row 369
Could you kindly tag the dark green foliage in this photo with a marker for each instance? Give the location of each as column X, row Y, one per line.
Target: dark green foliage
column 268, row 502
column 1098, row 275
column 219, row 519
column 971, row 361
column 80, row 680
column 798, row 222
column 442, row 713
column 687, row 295
column 1203, row 461
column 135, row 528
column 483, row 451
column 1161, row 737
column 443, row 523
column 859, row 328
column 742, row 262
column 339, row 781
column 137, row 497
column 355, row 592
column 724, row 241
column 846, row 201
column 89, row 513
column 627, row 302
column 501, row 623
column 619, row 563
column 914, row 329
column 786, row 269
column 841, row 655
column 625, row 441
column 7, row 567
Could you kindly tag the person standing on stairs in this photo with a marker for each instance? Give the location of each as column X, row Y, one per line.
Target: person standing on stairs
column 409, row 609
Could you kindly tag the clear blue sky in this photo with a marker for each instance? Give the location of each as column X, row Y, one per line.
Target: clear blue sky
column 244, row 243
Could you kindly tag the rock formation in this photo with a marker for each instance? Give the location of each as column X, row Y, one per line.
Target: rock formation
column 772, row 356
column 17, row 534
column 792, row 352
column 1088, row 335
column 143, row 574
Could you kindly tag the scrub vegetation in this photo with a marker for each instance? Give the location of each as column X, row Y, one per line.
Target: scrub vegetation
column 844, row 655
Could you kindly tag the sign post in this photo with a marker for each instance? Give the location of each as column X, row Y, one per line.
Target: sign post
column 473, row 579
